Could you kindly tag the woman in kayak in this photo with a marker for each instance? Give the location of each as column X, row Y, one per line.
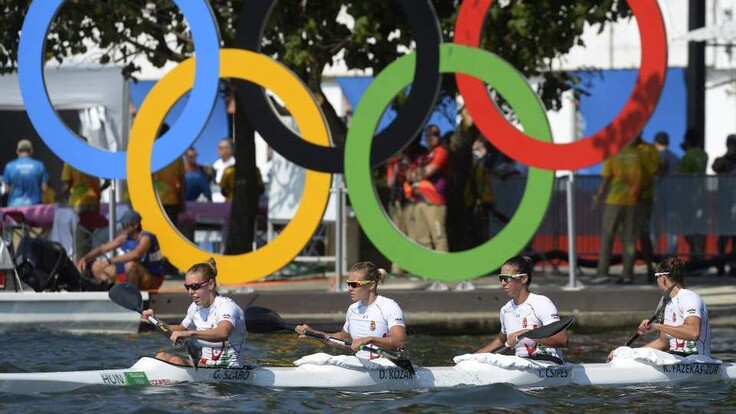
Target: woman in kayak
column 373, row 319
column 215, row 321
column 526, row 311
column 685, row 329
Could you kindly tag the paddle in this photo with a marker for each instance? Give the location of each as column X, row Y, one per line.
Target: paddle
column 262, row 320
column 663, row 301
column 129, row 297
column 542, row 332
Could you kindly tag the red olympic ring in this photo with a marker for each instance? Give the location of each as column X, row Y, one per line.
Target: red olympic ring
column 592, row 149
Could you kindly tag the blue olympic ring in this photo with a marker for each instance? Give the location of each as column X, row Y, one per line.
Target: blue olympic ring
column 107, row 164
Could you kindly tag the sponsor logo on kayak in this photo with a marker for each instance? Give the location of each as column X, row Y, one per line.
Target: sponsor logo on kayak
column 553, row 372
column 159, row 382
column 695, row 369
column 231, row 374
column 136, row 378
column 394, row 374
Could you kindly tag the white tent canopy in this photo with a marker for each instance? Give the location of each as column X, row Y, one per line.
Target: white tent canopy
column 99, row 93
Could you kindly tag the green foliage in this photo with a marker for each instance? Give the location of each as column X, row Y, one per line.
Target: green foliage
column 306, row 34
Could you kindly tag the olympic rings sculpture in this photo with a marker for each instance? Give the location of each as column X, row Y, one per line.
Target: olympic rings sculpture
column 473, row 67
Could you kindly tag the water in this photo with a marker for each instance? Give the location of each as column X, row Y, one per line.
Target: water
column 51, row 351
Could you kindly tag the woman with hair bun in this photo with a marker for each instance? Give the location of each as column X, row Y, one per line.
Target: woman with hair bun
column 684, row 329
column 526, row 311
column 373, row 319
column 215, row 321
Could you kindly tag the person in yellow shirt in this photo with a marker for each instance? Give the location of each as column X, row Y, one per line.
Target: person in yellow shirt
column 227, row 182
column 83, row 190
column 622, row 177
column 84, row 193
column 170, row 186
column 650, row 159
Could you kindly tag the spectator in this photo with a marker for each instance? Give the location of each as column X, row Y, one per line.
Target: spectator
column 430, row 183
column 649, row 157
column 196, row 179
column 726, row 165
column 478, row 194
column 25, row 178
column 693, row 162
column 398, row 166
column 622, row 177
column 225, row 152
column 170, row 186
column 83, row 192
column 227, row 183
column 141, row 264
column 668, row 162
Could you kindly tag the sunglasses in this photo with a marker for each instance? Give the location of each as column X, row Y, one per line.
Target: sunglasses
column 357, row 283
column 660, row 274
column 196, row 286
column 508, row 278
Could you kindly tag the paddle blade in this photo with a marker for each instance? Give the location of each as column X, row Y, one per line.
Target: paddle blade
column 195, row 353
column 403, row 363
column 663, row 302
column 549, row 330
column 658, row 313
column 127, row 296
column 263, row 320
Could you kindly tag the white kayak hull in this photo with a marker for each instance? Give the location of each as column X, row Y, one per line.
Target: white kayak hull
column 152, row 372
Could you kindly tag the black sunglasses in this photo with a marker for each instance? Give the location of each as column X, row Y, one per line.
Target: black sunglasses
column 195, row 286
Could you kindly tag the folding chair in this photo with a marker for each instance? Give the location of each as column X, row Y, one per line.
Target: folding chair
column 90, row 226
column 13, row 227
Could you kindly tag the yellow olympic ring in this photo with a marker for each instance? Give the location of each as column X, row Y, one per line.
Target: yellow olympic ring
column 256, row 68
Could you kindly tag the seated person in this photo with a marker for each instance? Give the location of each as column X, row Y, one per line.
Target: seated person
column 685, row 328
column 140, row 262
column 526, row 311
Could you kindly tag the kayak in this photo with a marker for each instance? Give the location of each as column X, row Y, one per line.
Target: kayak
column 153, row 372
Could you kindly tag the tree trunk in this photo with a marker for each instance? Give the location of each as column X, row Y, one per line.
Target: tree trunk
column 245, row 195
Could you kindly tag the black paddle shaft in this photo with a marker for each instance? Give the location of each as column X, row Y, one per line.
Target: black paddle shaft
column 663, row 301
column 263, row 320
column 129, row 297
column 542, row 332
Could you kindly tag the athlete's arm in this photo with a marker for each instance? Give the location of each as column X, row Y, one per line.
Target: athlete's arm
column 219, row 333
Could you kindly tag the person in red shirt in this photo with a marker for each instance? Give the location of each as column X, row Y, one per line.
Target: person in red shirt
column 429, row 183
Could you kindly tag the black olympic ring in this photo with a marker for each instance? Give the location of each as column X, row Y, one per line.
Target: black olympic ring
column 410, row 117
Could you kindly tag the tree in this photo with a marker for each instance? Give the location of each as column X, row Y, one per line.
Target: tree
column 307, row 36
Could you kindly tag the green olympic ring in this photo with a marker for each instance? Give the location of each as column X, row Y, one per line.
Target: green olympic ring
column 373, row 219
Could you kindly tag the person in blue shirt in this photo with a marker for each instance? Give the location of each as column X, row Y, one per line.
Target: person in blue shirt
column 25, row 178
column 196, row 177
column 140, row 261
column 668, row 160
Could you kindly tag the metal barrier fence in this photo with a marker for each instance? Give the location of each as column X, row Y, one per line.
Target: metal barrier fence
column 683, row 205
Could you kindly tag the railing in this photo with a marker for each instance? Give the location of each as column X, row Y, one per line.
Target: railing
column 683, row 205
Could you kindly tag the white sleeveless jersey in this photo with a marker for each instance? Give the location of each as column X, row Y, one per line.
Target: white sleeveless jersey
column 688, row 303
column 376, row 319
column 535, row 312
column 230, row 352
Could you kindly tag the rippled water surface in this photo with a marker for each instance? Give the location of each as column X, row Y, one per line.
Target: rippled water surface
column 50, row 351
